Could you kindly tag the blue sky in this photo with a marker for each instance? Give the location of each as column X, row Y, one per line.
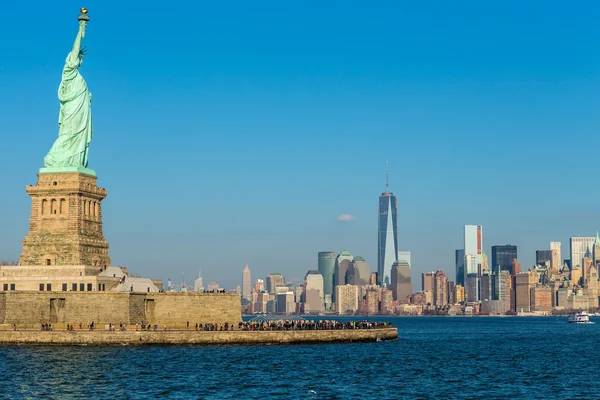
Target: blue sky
column 236, row 131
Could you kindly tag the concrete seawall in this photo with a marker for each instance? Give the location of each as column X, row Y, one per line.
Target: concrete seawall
column 192, row 337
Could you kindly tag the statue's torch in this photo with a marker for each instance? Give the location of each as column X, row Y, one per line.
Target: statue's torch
column 83, row 20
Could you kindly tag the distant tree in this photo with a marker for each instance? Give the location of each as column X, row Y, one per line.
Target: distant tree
column 4, row 262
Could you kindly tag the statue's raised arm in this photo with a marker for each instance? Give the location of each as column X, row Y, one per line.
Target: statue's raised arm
column 70, row 150
column 77, row 45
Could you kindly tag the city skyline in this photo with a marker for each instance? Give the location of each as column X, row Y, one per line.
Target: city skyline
column 250, row 109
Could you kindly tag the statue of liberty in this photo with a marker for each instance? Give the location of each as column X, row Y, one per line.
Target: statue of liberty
column 75, row 117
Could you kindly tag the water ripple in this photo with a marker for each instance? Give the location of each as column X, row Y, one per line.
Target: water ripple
column 458, row 358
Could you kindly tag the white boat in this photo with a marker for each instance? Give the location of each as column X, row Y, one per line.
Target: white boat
column 581, row 317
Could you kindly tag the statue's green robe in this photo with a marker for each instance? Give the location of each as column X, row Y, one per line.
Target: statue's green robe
column 74, row 120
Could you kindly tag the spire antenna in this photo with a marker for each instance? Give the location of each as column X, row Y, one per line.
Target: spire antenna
column 387, row 185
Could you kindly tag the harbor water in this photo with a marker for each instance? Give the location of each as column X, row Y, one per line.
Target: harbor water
column 435, row 357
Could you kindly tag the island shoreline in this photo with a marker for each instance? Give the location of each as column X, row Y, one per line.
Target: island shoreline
column 195, row 338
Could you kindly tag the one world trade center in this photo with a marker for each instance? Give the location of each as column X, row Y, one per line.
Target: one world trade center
column 387, row 243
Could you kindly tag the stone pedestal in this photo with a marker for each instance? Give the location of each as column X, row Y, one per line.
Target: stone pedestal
column 66, row 221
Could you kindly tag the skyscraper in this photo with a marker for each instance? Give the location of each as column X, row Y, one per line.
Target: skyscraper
column 459, row 293
column 451, row 293
column 342, row 262
column 503, row 290
column 327, row 268
column 313, row 292
column 198, row 285
column 543, row 256
column 347, row 296
column 460, row 266
column 472, row 290
column 556, row 260
column 502, row 258
column 580, row 247
column 473, row 247
column 473, row 250
column 524, row 282
column 259, row 286
column 427, row 281
column 246, row 284
column 440, row 290
column 486, row 286
column 274, row 279
column 596, row 252
column 358, row 272
column 401, row 281
column 484, row 262
column 404, row 256
column 285, row 302
column 516, row 267
column 585, row 269
column 387, row 240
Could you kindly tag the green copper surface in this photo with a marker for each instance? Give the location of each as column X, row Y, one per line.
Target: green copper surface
column 75, row 117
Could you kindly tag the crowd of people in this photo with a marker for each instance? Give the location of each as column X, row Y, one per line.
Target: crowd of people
column 45, row 327
column 214, row 327
column 90, row 326
column 269, row 325
column 305, row 325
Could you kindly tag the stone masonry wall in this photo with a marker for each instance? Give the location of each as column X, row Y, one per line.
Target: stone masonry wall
column 179, row 308
column 65, row 227
column 2, row 308
column 137, row 308
column 193, row 337
column 64, row 307
column 164, row 309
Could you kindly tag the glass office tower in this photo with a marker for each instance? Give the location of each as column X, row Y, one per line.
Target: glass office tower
column 502, row 258
column 387, row 251
column 326, row 267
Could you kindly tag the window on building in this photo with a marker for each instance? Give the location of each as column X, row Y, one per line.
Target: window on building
column 49, row 287
column 48, row 261
column 64, row 287
column 41, row 287
column 89, row 287
column 6, row 286
column 74, row 287
column 12, row 286
column 82, row 287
